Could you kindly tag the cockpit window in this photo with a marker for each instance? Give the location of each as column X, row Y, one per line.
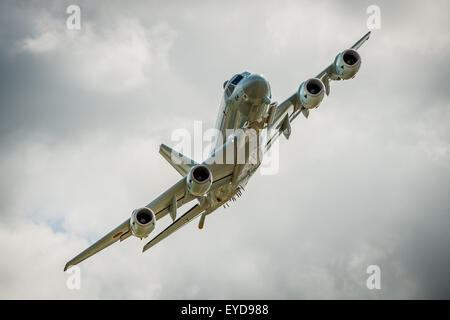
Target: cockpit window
column 232, row 84
column 236, row 79
column 229, row 89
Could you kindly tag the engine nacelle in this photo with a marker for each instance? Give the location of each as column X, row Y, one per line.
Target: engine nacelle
column 347, row 64
column 310, row 93
column 199, row 180
column 142, row 222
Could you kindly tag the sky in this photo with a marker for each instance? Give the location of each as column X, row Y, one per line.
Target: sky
column 363, row 181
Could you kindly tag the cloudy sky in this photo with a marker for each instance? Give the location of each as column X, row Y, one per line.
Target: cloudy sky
column 364, row 181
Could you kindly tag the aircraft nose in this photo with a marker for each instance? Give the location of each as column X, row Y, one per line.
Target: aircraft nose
column 256, row 87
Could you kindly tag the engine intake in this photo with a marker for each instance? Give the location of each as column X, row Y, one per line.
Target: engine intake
column 347, row 64
column 310, row 93
column 142, row 222
column 199, row 180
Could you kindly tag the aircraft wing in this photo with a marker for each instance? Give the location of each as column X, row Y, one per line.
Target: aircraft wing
column 290, row 108
column 162, row 205
column 101, row 244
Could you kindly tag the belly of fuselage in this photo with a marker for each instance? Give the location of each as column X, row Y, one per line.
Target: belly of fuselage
column 233, row 121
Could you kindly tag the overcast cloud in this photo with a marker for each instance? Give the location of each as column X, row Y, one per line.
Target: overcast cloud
column 364, row 181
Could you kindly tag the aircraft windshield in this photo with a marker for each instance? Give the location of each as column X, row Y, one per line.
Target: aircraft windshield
column 230, row 85
column 237, row 79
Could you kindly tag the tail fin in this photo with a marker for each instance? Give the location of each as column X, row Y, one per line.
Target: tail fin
column 180, row 162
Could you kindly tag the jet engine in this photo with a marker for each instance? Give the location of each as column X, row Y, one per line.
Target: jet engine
column 142, row 222
column 310, row 93
column 199, row 180
column 347, row 64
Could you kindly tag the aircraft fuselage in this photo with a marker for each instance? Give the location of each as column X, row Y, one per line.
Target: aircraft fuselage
column 244, row 105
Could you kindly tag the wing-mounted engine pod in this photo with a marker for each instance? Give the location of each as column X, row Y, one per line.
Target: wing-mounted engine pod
column 199, row 180
column 347, row 64
column 310, row 93
column 142, row 222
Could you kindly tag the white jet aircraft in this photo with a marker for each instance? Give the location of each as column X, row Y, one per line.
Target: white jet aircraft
column 246, row 107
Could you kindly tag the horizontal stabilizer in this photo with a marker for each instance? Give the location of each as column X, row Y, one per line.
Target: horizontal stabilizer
column 180, row 162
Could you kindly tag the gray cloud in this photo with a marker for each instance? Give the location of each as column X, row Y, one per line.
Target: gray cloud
column 363, row 181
